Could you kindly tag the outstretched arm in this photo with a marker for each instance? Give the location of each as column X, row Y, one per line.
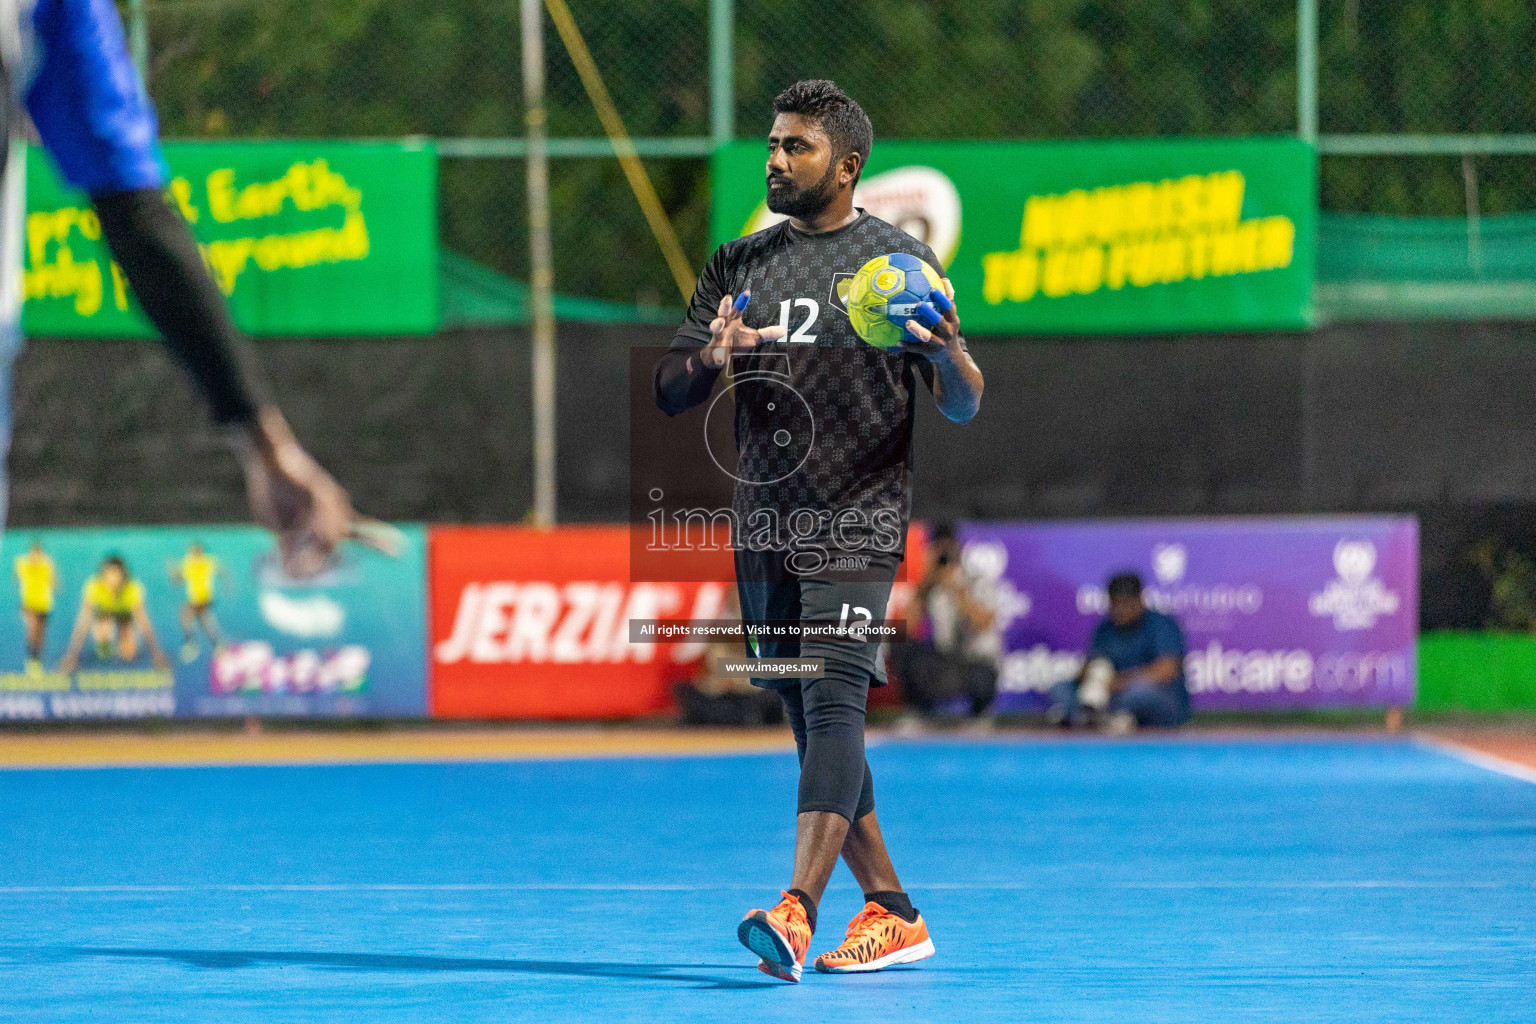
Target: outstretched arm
column 290, row 493
column 94, row 118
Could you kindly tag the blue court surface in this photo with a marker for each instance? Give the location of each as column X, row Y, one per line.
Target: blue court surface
column 1163, row 880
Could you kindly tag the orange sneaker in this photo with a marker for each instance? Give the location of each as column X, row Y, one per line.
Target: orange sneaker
column 780, row 936
column 877, row 939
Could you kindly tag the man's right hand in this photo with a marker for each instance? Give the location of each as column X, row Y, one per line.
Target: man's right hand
column 293, row 496
column 728, row 334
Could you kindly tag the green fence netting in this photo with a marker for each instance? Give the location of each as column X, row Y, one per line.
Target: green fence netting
column 1376, row 267
column 473, row 295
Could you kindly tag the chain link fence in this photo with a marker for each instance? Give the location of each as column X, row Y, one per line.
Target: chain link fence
column 940, row 69
column 381, row 68
column 1004, row 69
column 1427, row 67
column 334, row 68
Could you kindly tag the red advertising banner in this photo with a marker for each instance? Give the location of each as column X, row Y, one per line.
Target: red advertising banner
column 529, row 623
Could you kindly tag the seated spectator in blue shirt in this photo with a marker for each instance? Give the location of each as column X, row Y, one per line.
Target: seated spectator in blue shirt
column 1133, row 675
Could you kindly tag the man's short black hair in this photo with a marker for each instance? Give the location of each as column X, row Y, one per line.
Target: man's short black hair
column 840, row 117
column 1124, row 584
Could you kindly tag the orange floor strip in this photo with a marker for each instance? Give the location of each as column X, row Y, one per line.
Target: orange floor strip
column 102, row 750
column 1507, row 744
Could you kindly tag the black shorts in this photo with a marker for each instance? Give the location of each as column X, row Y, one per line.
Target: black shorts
column 770, row 592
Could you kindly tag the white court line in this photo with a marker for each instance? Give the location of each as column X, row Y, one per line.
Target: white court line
column 22, row 890
column 376, row 887
column 1490, row 762
column 1370, row 883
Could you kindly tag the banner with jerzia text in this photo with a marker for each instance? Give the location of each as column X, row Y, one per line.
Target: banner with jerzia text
column 1087, row 237
column 155, row 622
column 1276, row 613
column 536, row 624
column 303, row 238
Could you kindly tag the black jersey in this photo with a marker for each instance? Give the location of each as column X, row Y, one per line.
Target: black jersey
column 823, row 421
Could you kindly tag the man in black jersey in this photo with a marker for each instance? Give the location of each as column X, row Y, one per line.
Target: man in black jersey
column 823, row 425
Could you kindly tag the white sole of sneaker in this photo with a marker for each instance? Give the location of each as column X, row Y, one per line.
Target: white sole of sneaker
column 909, row 955
column 763, row 939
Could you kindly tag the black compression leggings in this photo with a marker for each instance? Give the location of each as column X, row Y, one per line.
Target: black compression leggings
column 827, row 716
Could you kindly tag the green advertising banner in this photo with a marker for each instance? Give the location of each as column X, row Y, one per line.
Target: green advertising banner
column 1087, row 237
column 305, row 238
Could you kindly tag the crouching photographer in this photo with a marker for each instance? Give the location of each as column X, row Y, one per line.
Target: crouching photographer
column 1133, row 674
column 949, row 669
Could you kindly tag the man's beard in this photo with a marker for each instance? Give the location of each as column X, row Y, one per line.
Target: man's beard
column 804, row 203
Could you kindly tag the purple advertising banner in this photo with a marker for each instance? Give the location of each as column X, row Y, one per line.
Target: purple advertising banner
column 1277, row 612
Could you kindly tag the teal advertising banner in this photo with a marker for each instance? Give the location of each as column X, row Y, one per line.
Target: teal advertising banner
column 303, row 238
column 160, row 622
column 1087, row 237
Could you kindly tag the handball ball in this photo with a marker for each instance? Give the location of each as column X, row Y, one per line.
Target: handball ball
column 885, row 294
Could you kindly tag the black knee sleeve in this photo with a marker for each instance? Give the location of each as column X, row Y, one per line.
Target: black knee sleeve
column 833, row 773
column 794, row 710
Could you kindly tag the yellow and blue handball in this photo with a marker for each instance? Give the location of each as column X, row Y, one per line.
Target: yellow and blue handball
column 890, row 290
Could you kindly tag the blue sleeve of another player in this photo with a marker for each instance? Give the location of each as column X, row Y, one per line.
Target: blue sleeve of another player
column 87, row 100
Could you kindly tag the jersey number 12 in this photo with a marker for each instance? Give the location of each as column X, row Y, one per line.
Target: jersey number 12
column 802, row 333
